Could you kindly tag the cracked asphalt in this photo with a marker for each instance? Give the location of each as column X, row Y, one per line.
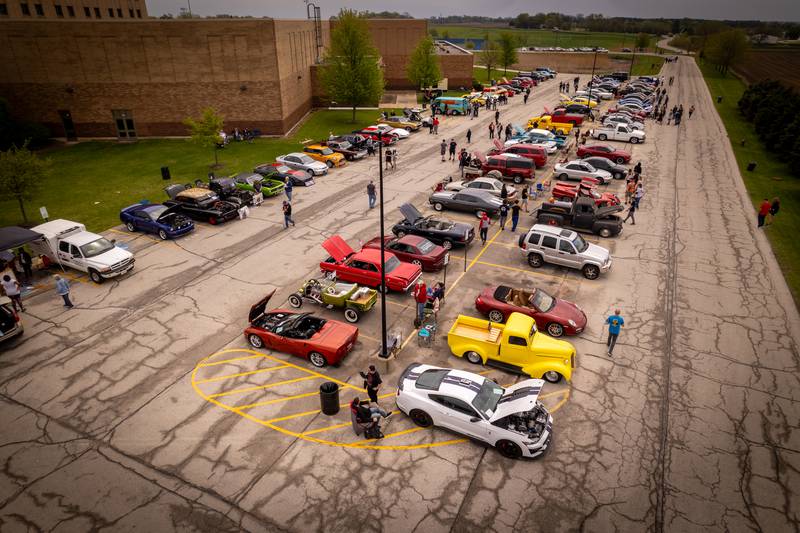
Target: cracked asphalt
column 108, row 422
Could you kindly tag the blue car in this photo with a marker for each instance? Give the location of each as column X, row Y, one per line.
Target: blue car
column 166, row 222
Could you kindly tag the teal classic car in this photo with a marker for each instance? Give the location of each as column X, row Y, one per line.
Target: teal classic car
column 256, row 183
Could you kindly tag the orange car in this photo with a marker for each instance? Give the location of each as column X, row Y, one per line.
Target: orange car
column 325, row 155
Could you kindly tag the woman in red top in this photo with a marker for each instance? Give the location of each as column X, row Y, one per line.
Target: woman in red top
column 421, row 297
column 763, row 211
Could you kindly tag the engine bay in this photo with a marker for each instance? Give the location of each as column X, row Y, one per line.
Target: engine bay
column 531, row 423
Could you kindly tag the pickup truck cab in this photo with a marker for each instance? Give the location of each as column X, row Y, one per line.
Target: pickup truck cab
column 546, row 122
column 535, row 152
column 561, row 115
column 619, row 132
column 583, row 214
column 364, row 267
column 70, row 245
column 511, row 166
column 515, row 346
column 546, row 243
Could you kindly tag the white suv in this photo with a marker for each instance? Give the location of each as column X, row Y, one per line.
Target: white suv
column 512, row 420
column 553, row 244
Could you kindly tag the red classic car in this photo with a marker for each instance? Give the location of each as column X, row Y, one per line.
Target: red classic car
column 556, row 317
column 532, row 151
column 364, row 267
column 321, row 341
column 570, row 191
column 413, row 249
column 373, row 133
column 604, row 150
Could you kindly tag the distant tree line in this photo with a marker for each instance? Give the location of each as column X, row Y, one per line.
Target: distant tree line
column 385, row 15
column 774, row 110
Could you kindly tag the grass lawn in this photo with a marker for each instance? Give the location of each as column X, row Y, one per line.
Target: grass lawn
column 92, row 181
column 643, row 65
column 770, row 178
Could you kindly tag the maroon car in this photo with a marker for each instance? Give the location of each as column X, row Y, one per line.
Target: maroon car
column 604, row 150
column 556, row 317
column 414, row 249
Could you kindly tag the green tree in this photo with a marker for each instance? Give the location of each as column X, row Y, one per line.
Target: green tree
column 423, row 65
column 205, row 130
column 507, row 47
column 21, row 175
column 726, row 49
column 434, row 33
column 642, row 41
column 351, row 73
column 489, row 56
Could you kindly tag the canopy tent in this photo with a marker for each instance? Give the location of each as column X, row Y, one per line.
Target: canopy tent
column 13, row 236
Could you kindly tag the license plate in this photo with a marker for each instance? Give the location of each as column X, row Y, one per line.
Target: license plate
column 446, row 258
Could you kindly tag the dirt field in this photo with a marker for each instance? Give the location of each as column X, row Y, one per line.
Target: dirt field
column 782, row 64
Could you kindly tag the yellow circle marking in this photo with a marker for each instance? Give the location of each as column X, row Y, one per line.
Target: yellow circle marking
column 306, row 436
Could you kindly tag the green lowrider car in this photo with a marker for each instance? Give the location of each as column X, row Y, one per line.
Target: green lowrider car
column 354, row 299
column 255, row 183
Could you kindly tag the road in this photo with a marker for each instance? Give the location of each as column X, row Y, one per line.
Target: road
column 691, row 426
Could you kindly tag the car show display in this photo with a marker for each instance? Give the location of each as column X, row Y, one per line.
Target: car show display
column 353, row 299
column 166, row 222
column 201, row 204
column 364, row 267
column 444, row 232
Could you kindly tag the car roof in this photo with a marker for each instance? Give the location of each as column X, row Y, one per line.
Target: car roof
column 316, row 146
column 195, row 192
column 553, row 230
column 456, row 383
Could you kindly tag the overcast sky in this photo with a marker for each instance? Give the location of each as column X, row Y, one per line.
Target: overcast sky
column 712, row 9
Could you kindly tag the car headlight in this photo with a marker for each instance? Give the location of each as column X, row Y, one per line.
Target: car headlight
column 572, row 323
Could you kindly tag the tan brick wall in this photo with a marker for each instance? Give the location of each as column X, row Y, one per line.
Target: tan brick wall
column 457, row 68
column 121, row 9
column 563, row 61
column 395, row 40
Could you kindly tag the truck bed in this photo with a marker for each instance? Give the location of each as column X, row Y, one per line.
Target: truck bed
column 477, row 329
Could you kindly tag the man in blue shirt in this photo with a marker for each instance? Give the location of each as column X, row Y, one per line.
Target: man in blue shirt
column 615, row 323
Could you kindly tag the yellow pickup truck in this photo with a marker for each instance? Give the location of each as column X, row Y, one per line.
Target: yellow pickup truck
column 515, row 346
column 545, row 122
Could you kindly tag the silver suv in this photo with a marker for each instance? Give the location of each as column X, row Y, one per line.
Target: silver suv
column 552, row 244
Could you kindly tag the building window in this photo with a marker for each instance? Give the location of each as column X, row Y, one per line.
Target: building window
column 26, row 10
column 39, row 9
column 123, row 120
column 97, row 12
column 3, row 9
column 111, row 12
column 88, row 12
column 119, row 12
column 59, row 10
column 130, row 12
column 138, row 13
column 71, row 11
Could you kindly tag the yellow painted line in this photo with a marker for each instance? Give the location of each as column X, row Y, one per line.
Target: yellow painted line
column 329, row 428
column 329, row 378
column 278, row 400
column 261, row 387
column 248, row 373
column 560, row 404
column 390, row 435
column 315, row 411
column 232, row 360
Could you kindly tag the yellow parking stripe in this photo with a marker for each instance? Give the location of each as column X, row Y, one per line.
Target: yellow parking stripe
column 315, row 411
column 232, row 360
column 278, row 400
column 337, row 426
column 222, row 378
column 261, row 387
column 329, row 378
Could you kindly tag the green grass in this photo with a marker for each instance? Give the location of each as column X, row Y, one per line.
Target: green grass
column 92, row 181
column 643, row 65
column 761, row 183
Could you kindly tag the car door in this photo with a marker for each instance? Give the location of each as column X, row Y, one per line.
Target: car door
column 457, row 415
column 549, row 247
column 463, row 202
column 143, row 222
column 622, row 132
column 64, row 255
column 400, row 250
column 567, row 254
column 573, row 170
column 365, row 273
column 293, row 162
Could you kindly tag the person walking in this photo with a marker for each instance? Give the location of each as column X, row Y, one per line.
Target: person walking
column 525, row 98
column 388, row 158
column 13, row 289
column 525, row 195
column 509, row 131
column 287, row 215
column 287, row 189
column 615, row 324
column 421, row 297
column 638, row 168
column 638, row 195
column 26, row 262
column 497, row 117
column 371, row 194
column 462, row 161
column 631, row 211
column 443, row 148
column 372, row 383
column 503, row 214
column 491, row 130
column 62, row 289
column 515, row 215
column 453, row 147
column 630, row 188
column 763, row 211
column 436, row 126
column 774, row 207
column 469, row 136
column 483, row 227
column 691, row 111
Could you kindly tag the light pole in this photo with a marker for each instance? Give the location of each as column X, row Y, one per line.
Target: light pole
column 633, row 57
column 591, row 80
column 384, row 354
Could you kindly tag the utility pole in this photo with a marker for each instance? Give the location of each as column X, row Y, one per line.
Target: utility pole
column 384, row 340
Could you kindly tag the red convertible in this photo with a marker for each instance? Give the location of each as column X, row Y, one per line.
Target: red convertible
column 364, row 267
column 604, row 150
column 569, row 191
column 557, row 317
column 321, row 341
column 413, row 249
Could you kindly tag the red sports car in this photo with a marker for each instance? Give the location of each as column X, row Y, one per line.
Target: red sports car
column 373, row 133
column 364, row 267
column 569, row 191
column 413, row 249
column 604, row 150
column 556, row 317
column 321, row 341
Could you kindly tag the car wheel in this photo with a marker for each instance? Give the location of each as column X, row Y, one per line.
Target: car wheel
column 212, row 221
column 421, row 418
column 438, row 206
column 400, row 234
column 551, row 376
column 564, row 176
column 474, row 358
column 602, row 137
column 634, row 140
column 508, row 449
column 554, row 329
column 620, row 160
column 591, row 271
column 518, row 179
column 317, row 359
column 619, row 175
column 295, row 300
column 130, row 226
column 496, row 316
column 329, row 163
column 95, row 276
column 255, row 341
column 447, row 244
column 417, row 262
column 162, row 234
column 351, row 315
column 310, row 173
column 604, row 232
column 535, row 260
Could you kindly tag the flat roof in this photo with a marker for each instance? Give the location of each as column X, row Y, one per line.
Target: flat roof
column 446, row 47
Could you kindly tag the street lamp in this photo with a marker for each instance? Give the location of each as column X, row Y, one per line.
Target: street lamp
column 384, row 353
column 591, row 81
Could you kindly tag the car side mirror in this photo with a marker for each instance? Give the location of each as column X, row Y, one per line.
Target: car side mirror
column 474, row 419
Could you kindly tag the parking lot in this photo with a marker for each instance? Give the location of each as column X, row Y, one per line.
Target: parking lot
column 145, row 407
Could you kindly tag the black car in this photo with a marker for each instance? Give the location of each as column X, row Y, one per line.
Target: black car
column 282, row 173
column 227, row 190
column 359, row 142
column 617, row 171
column 620, row 76
column 440, row 231
column 200, row 204
column 350, row 152
column 577, row 108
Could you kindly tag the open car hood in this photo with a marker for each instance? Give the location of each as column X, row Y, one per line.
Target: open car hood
column 338, row 248
column 608, row 210
column 169, row 211
column 518, row 398
column 173, row 190
column 260, row 307
column 497, row 144
column 410, row 212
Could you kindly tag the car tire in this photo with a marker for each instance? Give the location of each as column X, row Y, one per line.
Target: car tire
column 604, row 232
column 551, row 376
column 496, row 316
column 295, row 301
column 417, row 262
column 317, row 359
column 591, row 271
column 95, row 276
column 518, row 179
column 351, row 315
column 163, row 235
column 255, row 341
column 535, row 260
column 508, row 449
column 400, row 234
column 473, row 357
column 447, row 244
column 618, row 175
column 438, row 206
column 619, row 160
column 601, row 137
column 130, row 226
column 563, row 176
column 421, row 418
column 329, row 163
column 310, row 173
column 554, row 329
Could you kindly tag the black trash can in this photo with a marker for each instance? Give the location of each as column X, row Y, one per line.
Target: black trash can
column 329, row 398
column 751, row 166
column 165, row 173
column 719, row 99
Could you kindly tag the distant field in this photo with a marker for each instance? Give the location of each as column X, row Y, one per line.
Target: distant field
column 545, row 38
column 780, row 64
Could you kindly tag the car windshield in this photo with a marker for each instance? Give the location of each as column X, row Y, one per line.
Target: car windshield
column 590, row 168
column 391, row 263
column 327, row 151
column 156, row 212
column 425, row 246
column 282, row 169
column 344, row 145
column 497, row 184
column 306, row 160
column 542, row 301
column 488, row 397
column 579, row 244
column 94, row 248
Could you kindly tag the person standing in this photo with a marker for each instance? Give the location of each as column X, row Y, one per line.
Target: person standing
column 388, row 158
column 515, row 214
column 504, row 193
column 691, row 111
column 503, row 211
column 393, row 161
column 638, row 195
column 763, row 211
column 638, row 168
column 436, row 125
column 491, row 130
column 287, row 215
column 453, row 147
column 288, row 188
column 774, row 207
column 372, row 383
column 525, row 98
column 26, row 262
column 497, row 117
column 525, row 197
column 615, row 324
column 62, row 289
column 443, row 148
column 630, row 188
column 371, row 194
column 370, row 148
column 469, row 136
column 631, row 211
column 12, row 289
column 421, row 297
column 462, row 161
column 483, row 227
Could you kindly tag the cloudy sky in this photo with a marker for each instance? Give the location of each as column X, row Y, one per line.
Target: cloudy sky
column 713, row 9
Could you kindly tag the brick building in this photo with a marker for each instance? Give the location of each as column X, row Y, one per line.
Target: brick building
column 72, row 9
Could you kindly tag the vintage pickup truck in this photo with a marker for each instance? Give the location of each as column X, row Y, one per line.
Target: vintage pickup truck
column 548, row 122
column 581, row 214
column 515, row 346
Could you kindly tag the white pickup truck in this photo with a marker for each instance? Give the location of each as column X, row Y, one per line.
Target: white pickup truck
column 619, row 132
column 69, row 244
